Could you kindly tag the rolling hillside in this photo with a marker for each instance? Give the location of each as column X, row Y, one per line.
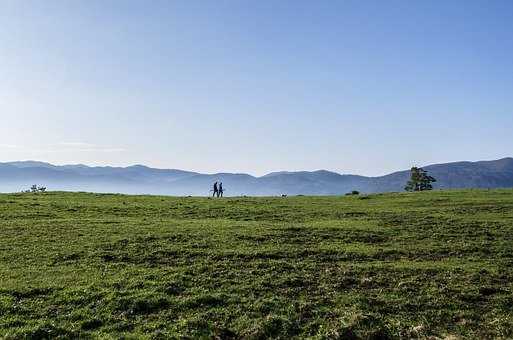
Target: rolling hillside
column 139, row 179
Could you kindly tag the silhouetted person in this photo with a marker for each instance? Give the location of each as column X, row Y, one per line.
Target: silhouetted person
column 216, row 191
column 220, row 192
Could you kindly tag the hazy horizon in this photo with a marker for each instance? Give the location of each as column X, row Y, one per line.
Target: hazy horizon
column 353, row 87
column 252, row 174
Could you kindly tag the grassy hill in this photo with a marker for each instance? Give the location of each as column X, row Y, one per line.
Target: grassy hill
column 379, row 266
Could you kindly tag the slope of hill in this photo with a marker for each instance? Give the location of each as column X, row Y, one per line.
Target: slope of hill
column 139, row 179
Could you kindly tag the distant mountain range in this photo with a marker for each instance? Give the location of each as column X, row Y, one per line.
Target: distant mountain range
column 139, row 179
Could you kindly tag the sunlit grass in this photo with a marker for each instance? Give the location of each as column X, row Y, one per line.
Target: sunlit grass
column 388, row 265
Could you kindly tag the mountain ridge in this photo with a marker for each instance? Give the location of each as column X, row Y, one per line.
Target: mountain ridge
column 141, row 179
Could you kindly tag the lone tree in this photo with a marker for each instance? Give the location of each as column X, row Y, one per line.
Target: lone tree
column 419, row 180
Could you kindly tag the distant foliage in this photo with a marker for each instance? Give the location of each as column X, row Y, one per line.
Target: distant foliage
column 353, row 192
column 35, row 189
column 419, row 180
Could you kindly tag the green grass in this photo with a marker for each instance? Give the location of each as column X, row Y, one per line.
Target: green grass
column 379, row 266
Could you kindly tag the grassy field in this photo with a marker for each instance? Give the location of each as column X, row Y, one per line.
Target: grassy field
column 436, row 264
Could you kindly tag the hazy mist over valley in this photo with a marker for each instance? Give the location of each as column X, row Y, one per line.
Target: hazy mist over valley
column 139, row 179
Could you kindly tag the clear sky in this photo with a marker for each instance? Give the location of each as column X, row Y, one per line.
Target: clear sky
column 363, row 87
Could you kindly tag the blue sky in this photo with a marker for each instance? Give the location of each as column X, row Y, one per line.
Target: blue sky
column 363, row 87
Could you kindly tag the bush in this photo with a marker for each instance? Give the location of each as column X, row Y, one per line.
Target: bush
column 35, row 189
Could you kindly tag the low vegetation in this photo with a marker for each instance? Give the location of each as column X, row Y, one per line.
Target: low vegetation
column 429, row 264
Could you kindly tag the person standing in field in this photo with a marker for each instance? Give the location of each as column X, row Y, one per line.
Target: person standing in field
column 216, row 191
column 220, row 192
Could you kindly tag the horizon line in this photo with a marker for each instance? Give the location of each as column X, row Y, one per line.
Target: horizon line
column 244, row 173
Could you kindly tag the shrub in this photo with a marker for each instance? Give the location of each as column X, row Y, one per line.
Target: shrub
column 35, row 189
